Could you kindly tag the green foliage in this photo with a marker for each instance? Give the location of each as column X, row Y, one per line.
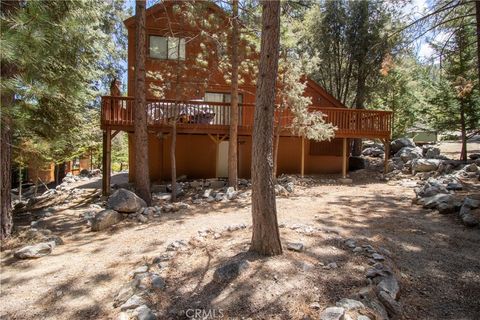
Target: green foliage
column 66, row 53
column 456, row 99
column 404, row 87
column 120, row 151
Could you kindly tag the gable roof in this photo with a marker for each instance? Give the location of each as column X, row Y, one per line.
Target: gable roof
column 163, row 4
column 321, row 91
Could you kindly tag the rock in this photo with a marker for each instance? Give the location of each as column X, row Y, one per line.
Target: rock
column 362, row 317
column 357, row 249
column 157, row 282
column 217, row 184
column 400, row 143
column 132, row 303
column 231, row 193
column 469, row 220
column 409, row 153
column 378, row 257
column 177, row 245
column 390, row 285
column 126, row 201
column 431, row 152
column 315, row 306
column 290, row 187
column 143, row 313
column 235, row 227
column 331, row 265
column 295, row 246
column 207, row 193
column 124, row 293
column 280, row 190
column 142, row 218
column 373, row 152
column 446, row 208
column 230, row 271
column 350, row 304
column 393, row 307
column 434, row 201
column 471, row 203
column 333, row 313
column 351, row 243
column 35, row 251
column 219, row 196
column 455, row 186
column 105, row 219
column 141, row 269
column 474, row 156
column 425, row 165
column 167, row 208
column 472, row 167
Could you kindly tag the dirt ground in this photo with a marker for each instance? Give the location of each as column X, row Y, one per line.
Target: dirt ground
column 452, row 149
column 438, row 259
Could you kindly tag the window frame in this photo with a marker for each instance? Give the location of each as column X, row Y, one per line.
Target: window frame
column 167, row 48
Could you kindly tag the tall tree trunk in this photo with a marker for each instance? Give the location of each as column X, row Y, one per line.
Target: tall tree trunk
column 7, row 71
column 265, row 235
column 6, row 183
column 359, row 104
column 275, row 150
column 233, row 142
column 477, row 14
column 463, row 152
column 142, row 178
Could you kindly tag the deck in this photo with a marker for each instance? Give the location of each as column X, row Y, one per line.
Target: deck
column 214, row 118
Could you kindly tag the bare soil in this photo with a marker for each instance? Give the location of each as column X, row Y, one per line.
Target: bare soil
column 437, row 258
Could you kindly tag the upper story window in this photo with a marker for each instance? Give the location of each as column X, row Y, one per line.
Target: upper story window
column 221, row 97
column 168, row 48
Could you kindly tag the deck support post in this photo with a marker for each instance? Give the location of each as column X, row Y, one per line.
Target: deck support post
column 107, row 163
column 344, row 159
column 302, row 168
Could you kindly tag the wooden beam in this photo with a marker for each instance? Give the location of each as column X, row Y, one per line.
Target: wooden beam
column 106, row 159
column 344, row 159
column 114, row 134
column 302, row 168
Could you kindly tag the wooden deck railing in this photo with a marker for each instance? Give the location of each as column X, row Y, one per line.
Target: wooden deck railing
column 207, row 117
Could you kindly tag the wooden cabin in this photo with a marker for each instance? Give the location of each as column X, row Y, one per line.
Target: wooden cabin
column 198, row 95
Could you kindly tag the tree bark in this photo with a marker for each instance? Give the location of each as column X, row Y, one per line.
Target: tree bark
column 477, row 15
column 142, row 177
column 359, row 104
column 7, row 71
column 233, row 141
column 265, row 235
column 463, row 152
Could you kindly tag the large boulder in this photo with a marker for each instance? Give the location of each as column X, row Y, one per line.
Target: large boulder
column 35, row 251
column 105, row 219
column 400, row 143
column 434, row 201
column 425, row 165
column 373, row 152
column 126, row 201
column 431, row 152
column 409, row 153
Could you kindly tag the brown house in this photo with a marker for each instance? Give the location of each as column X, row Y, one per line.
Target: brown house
column 185, row 81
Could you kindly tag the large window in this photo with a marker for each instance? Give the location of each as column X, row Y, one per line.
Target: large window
column 221, row 97
column 167, row 48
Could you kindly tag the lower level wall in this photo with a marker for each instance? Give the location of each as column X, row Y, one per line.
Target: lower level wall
column 196, row 156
